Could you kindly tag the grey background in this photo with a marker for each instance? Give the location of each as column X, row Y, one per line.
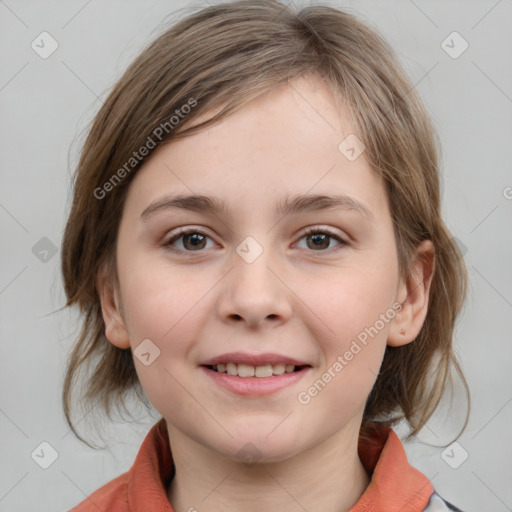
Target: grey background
column 45, row 107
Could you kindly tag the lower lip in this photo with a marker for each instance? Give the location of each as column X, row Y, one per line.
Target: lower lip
column 255, row 385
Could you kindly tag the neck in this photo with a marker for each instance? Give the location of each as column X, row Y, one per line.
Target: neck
column 327, row 477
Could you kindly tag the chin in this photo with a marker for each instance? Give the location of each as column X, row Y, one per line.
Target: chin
column 259, row 447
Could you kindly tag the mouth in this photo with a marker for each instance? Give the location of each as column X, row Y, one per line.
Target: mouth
column 260, row 371
column 255, row 380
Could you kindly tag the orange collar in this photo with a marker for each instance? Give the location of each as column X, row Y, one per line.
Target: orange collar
column 395, row 485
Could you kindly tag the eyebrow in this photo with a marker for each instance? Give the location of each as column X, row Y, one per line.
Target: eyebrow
column 289, row 205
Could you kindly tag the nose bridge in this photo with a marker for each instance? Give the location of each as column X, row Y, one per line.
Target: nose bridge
column 252, row 267
column 252, row 264
column 253, row 292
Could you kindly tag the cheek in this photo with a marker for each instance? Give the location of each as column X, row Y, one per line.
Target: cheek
column 352, row 336
column 165, row 307
column 158, row 299
column 352, row 316
column 355, row 328
column 160, row 305
column 348, row 301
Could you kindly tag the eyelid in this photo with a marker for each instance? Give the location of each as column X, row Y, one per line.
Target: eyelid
column 179, row 232
column 319, row 229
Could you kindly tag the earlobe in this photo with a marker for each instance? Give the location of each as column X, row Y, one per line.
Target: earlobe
column 115, row 328
column 413, row 296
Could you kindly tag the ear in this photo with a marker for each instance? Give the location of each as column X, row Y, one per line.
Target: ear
column 413, row 295
column 115, row 327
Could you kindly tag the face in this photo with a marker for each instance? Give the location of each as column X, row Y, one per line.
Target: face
column 249, row 278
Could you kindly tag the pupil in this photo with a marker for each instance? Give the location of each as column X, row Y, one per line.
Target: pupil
column 319, row 237
column 195, row 239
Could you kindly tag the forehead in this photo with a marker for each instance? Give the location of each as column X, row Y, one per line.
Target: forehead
column 285, row 142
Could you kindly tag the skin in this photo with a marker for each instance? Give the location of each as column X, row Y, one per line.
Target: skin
column 295, row 299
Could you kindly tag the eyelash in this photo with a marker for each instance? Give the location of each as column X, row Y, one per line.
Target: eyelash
column 308, row 231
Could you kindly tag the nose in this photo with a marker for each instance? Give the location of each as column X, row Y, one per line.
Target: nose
column 255, row 293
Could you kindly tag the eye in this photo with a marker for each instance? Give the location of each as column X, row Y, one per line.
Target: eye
column 319, row 239
column 193, row 240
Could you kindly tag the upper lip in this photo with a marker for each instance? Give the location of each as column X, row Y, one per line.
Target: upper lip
column 253, row 359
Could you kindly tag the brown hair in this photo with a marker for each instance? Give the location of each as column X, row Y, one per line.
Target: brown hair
column 224, row 56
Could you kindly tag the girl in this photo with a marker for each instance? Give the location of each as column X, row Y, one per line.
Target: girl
column 256, row 245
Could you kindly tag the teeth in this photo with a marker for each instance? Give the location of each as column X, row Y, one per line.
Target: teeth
column 262, row 371
column 279, row 369
column 246, row 370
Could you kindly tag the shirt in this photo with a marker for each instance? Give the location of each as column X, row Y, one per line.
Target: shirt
column 395, row 485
